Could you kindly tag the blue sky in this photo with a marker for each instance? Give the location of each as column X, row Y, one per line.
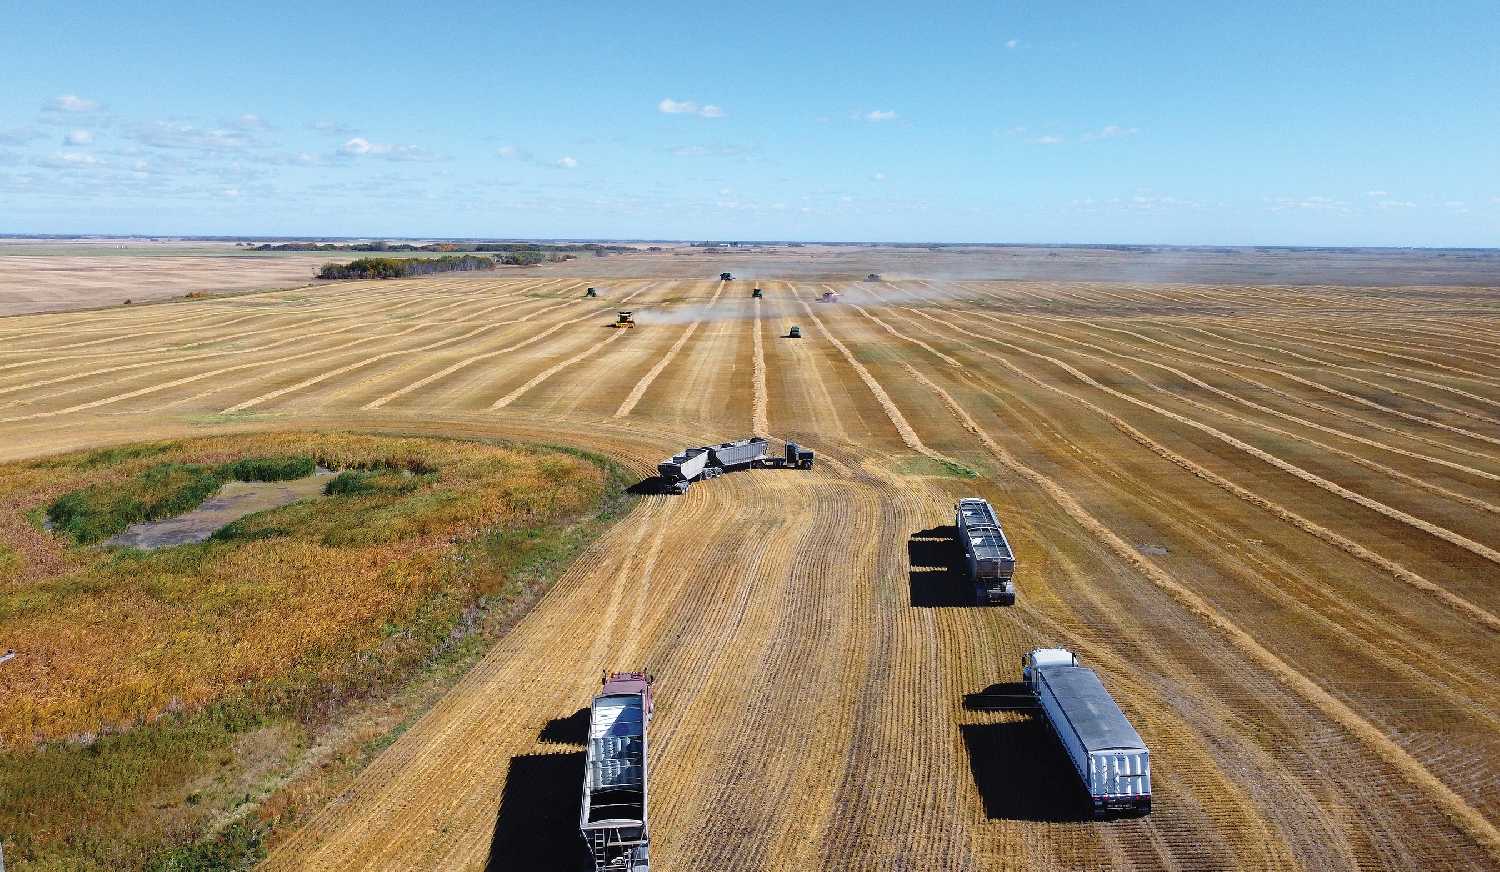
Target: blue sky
column 1334, row 122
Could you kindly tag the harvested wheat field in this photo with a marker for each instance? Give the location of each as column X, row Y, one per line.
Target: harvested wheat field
column 1268, row 516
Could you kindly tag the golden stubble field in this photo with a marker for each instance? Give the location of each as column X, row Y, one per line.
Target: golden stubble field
column 1268, row 515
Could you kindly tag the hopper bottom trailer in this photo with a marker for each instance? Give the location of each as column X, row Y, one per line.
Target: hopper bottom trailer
column 612, row 819
column 678, row 472
column 1105, row 750
column 987, row 553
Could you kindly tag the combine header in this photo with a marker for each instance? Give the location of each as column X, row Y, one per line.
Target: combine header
column 991, row 563
column 678, row 472
column 613, row 816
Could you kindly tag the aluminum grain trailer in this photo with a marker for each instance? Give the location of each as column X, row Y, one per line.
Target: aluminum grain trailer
column 739, row 454
column 1106, row 751
column 613, row 817
column 990, row 560
column 681, row 470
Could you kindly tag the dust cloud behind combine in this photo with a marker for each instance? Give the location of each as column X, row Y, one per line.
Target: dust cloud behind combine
column 1265, row 513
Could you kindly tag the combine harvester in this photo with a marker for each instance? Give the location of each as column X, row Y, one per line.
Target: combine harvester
column 726, row 277
column 624, row 318
column 678, row 472
column 1106, row 751
column 991, row 563
column 829, row 297
column 613, row 817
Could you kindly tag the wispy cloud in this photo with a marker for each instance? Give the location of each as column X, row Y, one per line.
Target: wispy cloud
column 1110, row 131
column 1012, row 43
column 567, row 163
column 1310, row 204
column 182, row 135
column 668, row 106
column 877, row 115
column 70, row 103
column 511, row 152
column 877, row 177
column 331, row 128
column 19, row 135
column 1377, row 193
column 250, row 121
column 361, row 147
column 78, row 137
column 1395, row 204
column 1049, row 139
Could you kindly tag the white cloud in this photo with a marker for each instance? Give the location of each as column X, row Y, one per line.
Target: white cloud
column 1377, row 193
column 1455, row 204
column 1311, row 204
column 1048, row 140
column 1012, row 43
column 1110, row 131
column 361, row 147
column 688, row 107
column 78, row 137
column 231, row 192
column 879, row 115
column 250, row 121
column 179, row 134
column 1396, row 204
column 567, row 163
column 878, row 177
column 71, row 103
column 509, row 152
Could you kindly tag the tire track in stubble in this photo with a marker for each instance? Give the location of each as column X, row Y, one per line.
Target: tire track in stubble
column 1460, row 812
column 634, row 397
column 564, row 364
column 1240, row 376
column 471, row 360
column 1292, row 469
column 1483, row 616
column 1414, row 481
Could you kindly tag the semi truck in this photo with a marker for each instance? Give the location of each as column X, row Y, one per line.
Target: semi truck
column 991, row 563
column 613, row 818
column 1106, row 752
column 678, row 472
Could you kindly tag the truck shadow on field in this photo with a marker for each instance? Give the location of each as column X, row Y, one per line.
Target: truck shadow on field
column 937, row 575
column 1022, row 773
column 571, row 730
column 537, row 827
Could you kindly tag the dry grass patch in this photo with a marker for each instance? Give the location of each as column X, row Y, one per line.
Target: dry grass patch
column 137, row 669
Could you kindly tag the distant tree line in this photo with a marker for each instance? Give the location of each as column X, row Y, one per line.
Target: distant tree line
column 404, row 267
column 448, row 247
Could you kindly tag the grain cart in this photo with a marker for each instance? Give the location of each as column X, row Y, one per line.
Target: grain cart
column 1105, row 750
column 756, row 293
column 990, row 561
column 613, row 814
column 726, row 277
column 591, row 292
column 624, row 319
